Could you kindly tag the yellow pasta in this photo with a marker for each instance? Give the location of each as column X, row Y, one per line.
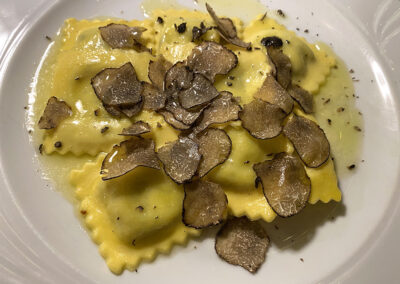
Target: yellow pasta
column 132, row 218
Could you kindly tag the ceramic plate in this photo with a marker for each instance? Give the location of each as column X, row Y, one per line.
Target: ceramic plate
column 356, row 241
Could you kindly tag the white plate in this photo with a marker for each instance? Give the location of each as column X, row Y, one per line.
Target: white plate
column 41, row 241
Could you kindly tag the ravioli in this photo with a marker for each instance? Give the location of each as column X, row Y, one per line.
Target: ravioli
column 132, row 219
column 137, row 216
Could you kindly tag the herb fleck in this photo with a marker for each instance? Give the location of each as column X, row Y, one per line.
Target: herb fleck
column 327, row 101
column 41, row 149
column 351, row 167
column 160, row 20
column 281, row 13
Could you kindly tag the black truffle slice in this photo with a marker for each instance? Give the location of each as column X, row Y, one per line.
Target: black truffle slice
column 204, row 204
column 123, row 36
column 302, row 97
column 115, row 111
column 157, row 70
column 272, row 92
column 285, row 183
column 198, row 32
column 171, row 120
column 185, row 116
column 283, row 66
column 223, row 109
column 242, row 242
column 227, row 29
column 200, row 92
column 210, row 59
column 180, row 158
column 215, row 147
column 118, row 87
column 308, row 139
column 129, row 155
column 138, row 128
column 178, row 77
column 55, row 112
column 262, row 120
column 133, row 110
column 153, row 98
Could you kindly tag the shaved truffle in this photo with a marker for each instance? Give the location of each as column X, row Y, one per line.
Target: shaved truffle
column 201, row 91
column 283, row 66
column 308, row 139
column 136, row 129
column 157, row 70
column 302, row 97
column 153, row 98
column 171, row 120
column 129, row 111
column 181, row 159
column 185, row 116
column 118, row 87
column 223, row 109
column 272, row 92
column 198, row 32
column 133, row 110
column 227, row 29
column 242, row 242
column 210, row 59
column 261, row 119
column 129, row 155
column 204, row 204
column 178, row 77
column 123, row 36
column 55, row 112
column 215, row 147
column 113, row 110
column 285, row 183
